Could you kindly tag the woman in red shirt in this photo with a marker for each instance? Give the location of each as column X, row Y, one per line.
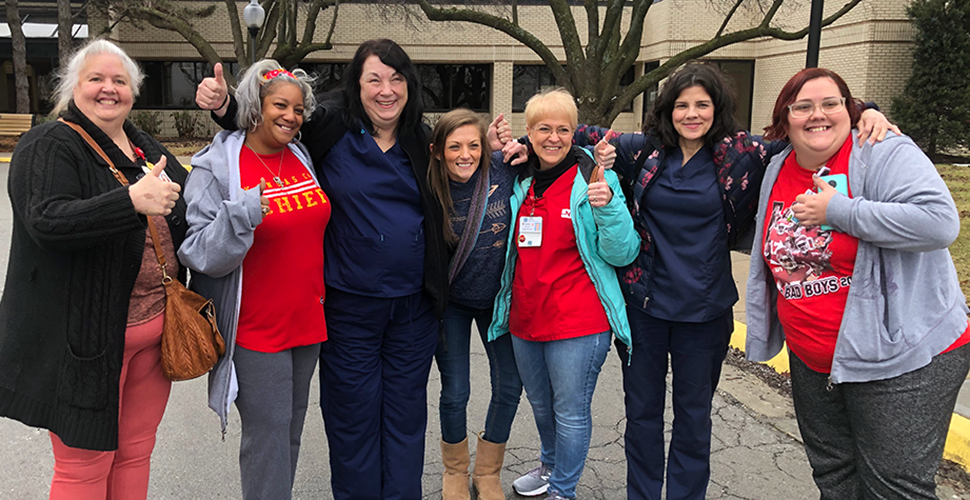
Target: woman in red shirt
column 255, row 243
column 850, row 267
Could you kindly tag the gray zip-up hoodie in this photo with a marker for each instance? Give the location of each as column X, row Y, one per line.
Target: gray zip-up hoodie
column 222, row 218
column 905, row 304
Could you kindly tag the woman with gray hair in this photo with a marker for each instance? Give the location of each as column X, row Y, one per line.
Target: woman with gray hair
column 256, row 217
column 83, row 308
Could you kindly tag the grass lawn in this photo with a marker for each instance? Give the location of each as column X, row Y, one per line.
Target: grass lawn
column 958, row 179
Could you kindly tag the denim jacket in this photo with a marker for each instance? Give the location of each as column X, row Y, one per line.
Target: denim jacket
column 605, row 239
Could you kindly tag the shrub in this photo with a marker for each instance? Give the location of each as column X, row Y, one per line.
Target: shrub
column 149, row 122
column 187, row 124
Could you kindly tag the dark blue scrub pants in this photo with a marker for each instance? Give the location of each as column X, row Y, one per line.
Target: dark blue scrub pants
column 373, row 392
column 696, row 351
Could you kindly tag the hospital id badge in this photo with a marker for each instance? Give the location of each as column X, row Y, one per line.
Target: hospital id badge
column 149, row 166
column 530, row 232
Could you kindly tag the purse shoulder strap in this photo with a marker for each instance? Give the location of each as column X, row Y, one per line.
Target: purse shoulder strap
column 124, row 182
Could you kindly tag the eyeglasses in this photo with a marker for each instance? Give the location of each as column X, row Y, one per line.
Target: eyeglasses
column 562, row 132
column 829, row 106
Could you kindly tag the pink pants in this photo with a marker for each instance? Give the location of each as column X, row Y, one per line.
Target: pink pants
column 122, row 474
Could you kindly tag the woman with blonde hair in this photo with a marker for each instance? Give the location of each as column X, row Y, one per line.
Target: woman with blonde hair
column 560, row 298
column 83, row 308
column 257, row 218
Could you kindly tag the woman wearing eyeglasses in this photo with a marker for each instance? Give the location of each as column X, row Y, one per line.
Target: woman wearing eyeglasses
column 560, row 299
column 850, row 267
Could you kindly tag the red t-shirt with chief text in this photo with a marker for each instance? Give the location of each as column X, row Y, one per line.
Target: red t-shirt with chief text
column 282, row 289
column 553, row 297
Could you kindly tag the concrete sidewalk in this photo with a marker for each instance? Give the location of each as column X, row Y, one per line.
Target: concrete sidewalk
column 751, row 459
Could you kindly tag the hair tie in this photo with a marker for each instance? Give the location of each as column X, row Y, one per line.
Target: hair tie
column 269, row 75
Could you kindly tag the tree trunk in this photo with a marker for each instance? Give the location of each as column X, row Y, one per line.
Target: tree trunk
column 19, row 43
column 64, row 32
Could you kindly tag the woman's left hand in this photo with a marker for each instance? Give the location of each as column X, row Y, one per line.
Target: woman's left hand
column 810, row 209
column 263, row 200
column 873, row 126
column 520, row 152
column 599, row 191
column 499, row 132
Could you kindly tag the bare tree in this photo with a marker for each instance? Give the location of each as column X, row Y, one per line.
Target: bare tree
column 294, row 39
column 592, row 72
column 19, row 43
column 64, row 25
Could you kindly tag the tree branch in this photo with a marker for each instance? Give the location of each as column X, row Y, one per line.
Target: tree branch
column 728, row 17
column 646, row 81
column 512, row 30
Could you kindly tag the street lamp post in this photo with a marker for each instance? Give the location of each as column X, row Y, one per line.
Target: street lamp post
column 254, row 15
column 814, row 34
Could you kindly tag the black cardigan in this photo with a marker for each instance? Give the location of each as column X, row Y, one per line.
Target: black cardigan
column 75, row 253
column 325, row 127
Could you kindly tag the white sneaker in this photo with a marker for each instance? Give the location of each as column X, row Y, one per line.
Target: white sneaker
column 533, row 483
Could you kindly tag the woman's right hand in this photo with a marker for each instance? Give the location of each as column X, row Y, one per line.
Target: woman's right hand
column 605, row 153
column 213, row 93
column 152, row 195
column 499, row 132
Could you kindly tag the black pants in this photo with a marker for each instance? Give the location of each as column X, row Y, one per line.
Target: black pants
column 374, row 393
column 882, row 439
column 696, row 352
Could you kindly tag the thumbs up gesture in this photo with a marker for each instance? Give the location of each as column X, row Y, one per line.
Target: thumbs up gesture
column 152, row 195
column 212, row 92
column 599, row 192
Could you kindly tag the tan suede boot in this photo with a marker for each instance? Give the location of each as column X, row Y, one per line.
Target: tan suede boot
column 454, row 484
column 488, row 469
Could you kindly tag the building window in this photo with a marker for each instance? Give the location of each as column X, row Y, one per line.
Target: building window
column 741, row 76
column 172, row 84
column 448, row 86
column 326, row 76
column 529, row 80
column 649, row 95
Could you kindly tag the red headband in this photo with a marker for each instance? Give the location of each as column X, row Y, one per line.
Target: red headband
column 269, row 75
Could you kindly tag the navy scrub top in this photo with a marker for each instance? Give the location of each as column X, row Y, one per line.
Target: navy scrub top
column 685, row 215
column 374, row 244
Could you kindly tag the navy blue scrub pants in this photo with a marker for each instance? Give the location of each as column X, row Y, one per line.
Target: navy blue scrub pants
column 696, row 351
column 373, row 392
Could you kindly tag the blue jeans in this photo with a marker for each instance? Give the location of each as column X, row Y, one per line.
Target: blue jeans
column 559, row 378
column 696, row 351
column 454, row 363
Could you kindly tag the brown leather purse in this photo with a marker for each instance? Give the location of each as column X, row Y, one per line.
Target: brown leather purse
column 191, row 342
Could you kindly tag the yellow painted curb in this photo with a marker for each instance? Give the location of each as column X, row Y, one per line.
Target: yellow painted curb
column 957, row 439
column 779, row 362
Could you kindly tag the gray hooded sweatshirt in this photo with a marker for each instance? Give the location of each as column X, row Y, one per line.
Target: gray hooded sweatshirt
column 222, row 218
column 905, row 304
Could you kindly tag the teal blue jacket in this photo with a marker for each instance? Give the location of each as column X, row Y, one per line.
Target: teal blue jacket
column 605, row 238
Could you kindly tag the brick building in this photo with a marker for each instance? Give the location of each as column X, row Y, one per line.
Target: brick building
column 870, row 46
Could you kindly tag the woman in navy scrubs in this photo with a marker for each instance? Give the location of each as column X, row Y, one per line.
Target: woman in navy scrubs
column 385, row 271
